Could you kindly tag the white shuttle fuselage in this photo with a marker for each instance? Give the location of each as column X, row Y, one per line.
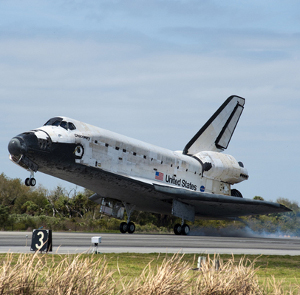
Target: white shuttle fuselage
column 115, row 153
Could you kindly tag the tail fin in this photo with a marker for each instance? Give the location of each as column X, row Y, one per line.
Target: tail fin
column 216, row 133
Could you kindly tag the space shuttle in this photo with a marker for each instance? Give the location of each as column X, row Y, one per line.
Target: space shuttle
column 127, row 174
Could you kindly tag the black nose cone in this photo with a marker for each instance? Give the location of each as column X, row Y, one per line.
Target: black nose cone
column 17, row 146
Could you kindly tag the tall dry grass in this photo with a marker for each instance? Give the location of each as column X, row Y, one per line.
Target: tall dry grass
column 231, row 278
column 34, row 274
column 173, row 276
column 275, row 287
column 21, row 278
column 37, row 274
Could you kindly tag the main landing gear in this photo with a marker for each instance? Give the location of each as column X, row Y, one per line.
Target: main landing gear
column 31, row 180
column 181, row 229
column 128, row 226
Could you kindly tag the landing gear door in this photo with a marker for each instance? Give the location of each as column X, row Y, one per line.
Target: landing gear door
column 183, row 211
column 112, row 209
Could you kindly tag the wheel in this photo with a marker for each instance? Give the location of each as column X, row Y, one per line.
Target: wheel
column 123, row 227
column 177, row 229
column 236, row 193
column 131, row 227
column 32, row 182
column 27, row 181
column 185, row 230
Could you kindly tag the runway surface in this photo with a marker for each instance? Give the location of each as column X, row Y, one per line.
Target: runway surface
column 147, row 243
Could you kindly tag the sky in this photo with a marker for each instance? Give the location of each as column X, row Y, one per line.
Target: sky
column 156, row 71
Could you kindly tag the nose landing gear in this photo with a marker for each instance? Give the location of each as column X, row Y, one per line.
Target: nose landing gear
column 31, row 180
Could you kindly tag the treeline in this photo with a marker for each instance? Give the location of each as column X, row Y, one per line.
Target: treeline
column 26, row 208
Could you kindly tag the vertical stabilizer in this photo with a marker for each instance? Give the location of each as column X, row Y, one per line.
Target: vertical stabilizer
column 216, row 133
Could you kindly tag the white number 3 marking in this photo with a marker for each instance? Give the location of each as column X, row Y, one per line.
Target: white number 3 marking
column 40, row 233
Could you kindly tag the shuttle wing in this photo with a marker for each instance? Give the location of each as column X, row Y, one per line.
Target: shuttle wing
column 209, row 205
column 220, row 206
column 216, row 134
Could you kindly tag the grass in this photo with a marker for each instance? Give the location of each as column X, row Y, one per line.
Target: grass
column 147, row 274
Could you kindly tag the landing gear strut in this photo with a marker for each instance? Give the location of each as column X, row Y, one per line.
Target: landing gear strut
column 31, row 180
column 128, row 226
column 181, row 229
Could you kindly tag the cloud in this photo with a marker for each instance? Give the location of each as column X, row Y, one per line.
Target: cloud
column 55, row 71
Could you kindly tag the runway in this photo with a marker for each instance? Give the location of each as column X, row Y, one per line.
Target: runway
column 65, row 242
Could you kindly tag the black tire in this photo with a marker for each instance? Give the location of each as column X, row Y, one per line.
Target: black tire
column 236, row 193
column 131, row 227
column 185, row 230
column 32, row 182
column 177, row 229
column 27, row 181
column 123, row 227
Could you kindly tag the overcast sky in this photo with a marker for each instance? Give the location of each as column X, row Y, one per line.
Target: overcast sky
column 156, row 71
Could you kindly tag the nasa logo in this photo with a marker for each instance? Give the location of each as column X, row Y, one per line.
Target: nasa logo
column 202, row 188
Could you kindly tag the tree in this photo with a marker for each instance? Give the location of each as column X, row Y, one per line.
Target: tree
column 30, row 208
column 11, row 189
column 53, row 198
column 4, row 215
column 290, row 204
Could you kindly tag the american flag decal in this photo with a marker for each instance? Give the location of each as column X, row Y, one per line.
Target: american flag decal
column 159, row 176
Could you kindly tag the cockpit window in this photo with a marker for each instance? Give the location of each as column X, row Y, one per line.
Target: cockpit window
column 53, row 122
column 71, row 126
column 59, row 122
column 64, row 124
column 56, row 123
